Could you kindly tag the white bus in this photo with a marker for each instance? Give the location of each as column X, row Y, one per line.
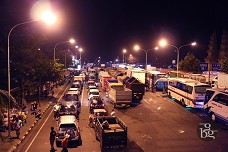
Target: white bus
column 216, row 104
column 190, row 93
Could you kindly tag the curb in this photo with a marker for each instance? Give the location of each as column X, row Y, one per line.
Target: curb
column 27, row 132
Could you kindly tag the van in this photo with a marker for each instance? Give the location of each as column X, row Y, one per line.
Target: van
column 68, row 125
column 216, row 104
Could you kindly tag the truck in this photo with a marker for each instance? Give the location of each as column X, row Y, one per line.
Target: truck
column 107, row 82
column 137, row 88
column 119, row 95
column 111, row 132
column 103, row 79
column 222, row 82
column 137, row 73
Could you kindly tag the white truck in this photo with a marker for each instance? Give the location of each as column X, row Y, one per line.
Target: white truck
column 119, row 95
column 140, row 74
column 222, row 82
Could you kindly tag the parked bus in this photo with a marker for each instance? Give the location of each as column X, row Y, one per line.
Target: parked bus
column 216, row 104
column 189, row 92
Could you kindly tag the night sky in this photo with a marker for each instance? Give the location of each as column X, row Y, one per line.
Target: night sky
column 104, row 27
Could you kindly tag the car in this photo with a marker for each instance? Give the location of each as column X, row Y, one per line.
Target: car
column 91, row 88
column 90, row 83
column 68, row 124
column 76, row 87
column 96, row 103
column 94, row 93
column 73, row 97
column 68, row 108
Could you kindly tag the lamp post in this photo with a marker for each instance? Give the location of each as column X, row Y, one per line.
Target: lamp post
column 124, row 51
column 164, row 43
column 49, row 18
column 80, row 50
column 70, row 41
column 136, row 47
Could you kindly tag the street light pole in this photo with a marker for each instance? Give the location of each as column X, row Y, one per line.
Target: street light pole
column 80, row 50
column 8, row 70
column 124, row 51
column 70, row 41
column 163, row 43
column 138, row 48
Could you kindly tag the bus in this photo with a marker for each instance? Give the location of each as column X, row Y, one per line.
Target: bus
column 216, row 104
column 190, row 93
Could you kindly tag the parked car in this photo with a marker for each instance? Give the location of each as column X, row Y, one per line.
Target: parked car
column 73, row 97
column 94, row 93
column 68, row 108
column 68, row 125
column 96, row 103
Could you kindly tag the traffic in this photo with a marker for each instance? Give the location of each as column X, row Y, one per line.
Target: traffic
column 101, row 110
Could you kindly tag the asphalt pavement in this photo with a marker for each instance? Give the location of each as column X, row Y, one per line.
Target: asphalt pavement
column 11, row 144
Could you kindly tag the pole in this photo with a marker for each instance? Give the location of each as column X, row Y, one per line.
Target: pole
column 8, row 70
column 123, row 57
column 65, row 58
column 178, row 62
column 146, row 59
column 81, row 59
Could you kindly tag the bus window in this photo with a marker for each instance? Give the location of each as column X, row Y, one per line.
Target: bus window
column 209, row 94
column 201, row 89
column 190, row 89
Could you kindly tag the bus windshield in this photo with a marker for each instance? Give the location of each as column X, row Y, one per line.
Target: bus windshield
column 201, row 89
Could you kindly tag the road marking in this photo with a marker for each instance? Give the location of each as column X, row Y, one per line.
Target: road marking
column 146, row 101
column 38, row 132
column 40, row 128
column 82, row 94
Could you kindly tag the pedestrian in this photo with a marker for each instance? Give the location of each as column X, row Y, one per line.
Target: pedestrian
column 56, row 110
column 65, row 143
column 38, row 114
column 52, row 138
column 17, row 126
column 90, row 120
column 113, row 113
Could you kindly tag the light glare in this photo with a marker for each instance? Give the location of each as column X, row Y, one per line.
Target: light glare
column 163, row 43
column 136, row 47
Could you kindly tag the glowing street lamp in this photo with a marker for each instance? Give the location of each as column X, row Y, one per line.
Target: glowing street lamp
column 49, row 19
column 69, row 41
column 124, row 51
column 137, row 47
column 164, row 43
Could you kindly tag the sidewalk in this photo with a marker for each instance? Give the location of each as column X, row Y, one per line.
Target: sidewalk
column 11, row 144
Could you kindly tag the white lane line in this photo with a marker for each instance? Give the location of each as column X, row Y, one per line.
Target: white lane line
column 82, row 94
column 40, row 128
column 38, row 132
column 146, row 101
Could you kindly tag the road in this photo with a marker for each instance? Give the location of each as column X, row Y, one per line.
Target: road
column 158, row 124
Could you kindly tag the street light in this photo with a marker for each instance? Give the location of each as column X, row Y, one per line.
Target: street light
column 70, row 41
column 136, row 47
column 124, row 51
column 49, row 18
column 164, row 43
column 80, row 50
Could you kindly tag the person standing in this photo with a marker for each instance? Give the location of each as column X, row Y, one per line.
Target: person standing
column 56, row 110
column 113, row 113
column 17, row 126
column 52, row 138
column 65, row 143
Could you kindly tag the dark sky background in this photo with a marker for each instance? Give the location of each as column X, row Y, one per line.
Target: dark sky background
column 104, row 27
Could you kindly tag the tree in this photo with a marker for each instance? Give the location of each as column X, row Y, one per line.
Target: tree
column 224, row 64
column 212, row 53
column 223, row 59
column 190, row 63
